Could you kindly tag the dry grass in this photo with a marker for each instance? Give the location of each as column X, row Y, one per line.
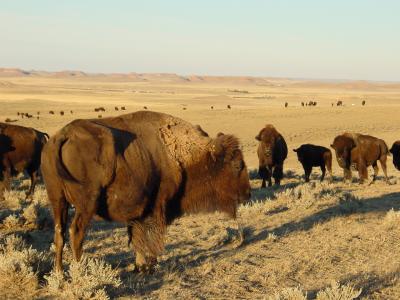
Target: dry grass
column 312, row 240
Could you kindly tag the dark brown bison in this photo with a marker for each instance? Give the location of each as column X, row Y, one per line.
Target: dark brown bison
column 116, row 108
column 144, row 169
column 20, row 150
column 51, row 112
column 314, row 156
column 272, row 151
column 62, row 113
column 123, row 108
column 228, row 106
column 339, row 103
column 395, row 150
column 286, row 104
column 358, row 151
column 363, row 103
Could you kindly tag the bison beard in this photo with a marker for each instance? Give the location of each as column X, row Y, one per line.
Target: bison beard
column 143, row 169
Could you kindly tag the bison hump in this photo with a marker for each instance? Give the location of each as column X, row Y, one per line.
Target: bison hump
column 185, row 143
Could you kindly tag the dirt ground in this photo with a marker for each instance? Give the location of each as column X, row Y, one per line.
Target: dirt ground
column 300, row 239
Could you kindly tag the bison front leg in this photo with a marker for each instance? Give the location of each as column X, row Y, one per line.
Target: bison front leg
column 278, row 174
column 307, row 173
column 60, row 213
column 323, row 169
column 265, row 174
column 148, row 242
column 382, row 160
column 362, row 172
column 347, row 175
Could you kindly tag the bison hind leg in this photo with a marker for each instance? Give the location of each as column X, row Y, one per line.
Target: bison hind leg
column 34, row 178
column 323, row 170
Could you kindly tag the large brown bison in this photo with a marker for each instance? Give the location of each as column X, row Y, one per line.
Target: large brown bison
column 358, row 151
column 314, row 156
column 395, row 150
column 144, row 169
column 20, row 149
column 272, row 151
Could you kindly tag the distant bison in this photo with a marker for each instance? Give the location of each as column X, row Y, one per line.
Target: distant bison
column 314, row 156
column 51, row 112
column 395, row 150
column 62, row 113
column 116, row 108
column 358, row 151
column 272, row 151
column 286, row 104
column 97, row 109
column 20, row 150
column 123, row 108
column 339, row 103
column 228, row 106
column 93, row 165
column 363, row 103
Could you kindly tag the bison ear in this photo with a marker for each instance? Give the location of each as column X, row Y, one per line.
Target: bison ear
column 258, row 137
column 332, row 146
column 295, row 150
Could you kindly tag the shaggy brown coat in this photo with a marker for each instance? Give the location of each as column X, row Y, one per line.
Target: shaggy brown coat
column 358, row 151
column 272, row 152
column 143, row 169
column 20, row 149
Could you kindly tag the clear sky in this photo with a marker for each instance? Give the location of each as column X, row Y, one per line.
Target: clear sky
column 341, row 39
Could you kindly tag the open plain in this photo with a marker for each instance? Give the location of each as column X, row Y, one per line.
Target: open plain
column 301, row 240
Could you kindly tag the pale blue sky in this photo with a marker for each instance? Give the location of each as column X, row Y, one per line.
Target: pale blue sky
column 353, row 39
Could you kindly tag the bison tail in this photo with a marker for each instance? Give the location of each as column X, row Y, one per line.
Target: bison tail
column 60, row 166
column 385, row 148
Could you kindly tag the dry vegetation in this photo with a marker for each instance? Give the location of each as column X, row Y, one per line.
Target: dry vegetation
column 312, row 240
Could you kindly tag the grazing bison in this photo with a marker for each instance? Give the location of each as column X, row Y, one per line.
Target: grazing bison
column 144, row 169
column 20, row 151
column 363, row 103
column 228, row 106
column 339, row 103
column 286, row 104
column 51, row 112
column 314, row 156
column 395, row 150
column 116, row 108
column 272, row 151
column 62, row 113
column 358, row 151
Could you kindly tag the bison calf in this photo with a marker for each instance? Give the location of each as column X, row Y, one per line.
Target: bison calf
column 272, row 151
column 314, row 156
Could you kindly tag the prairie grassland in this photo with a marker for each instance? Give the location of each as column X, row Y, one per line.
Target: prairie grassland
column 312, row 240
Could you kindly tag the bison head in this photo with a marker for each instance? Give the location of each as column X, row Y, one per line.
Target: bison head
column 300, row 153
column 268, row 137
column 343, row 146
column 395, row 150
column 231, row 178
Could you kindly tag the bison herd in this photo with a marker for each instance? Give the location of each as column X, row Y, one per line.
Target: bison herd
column 145, row 169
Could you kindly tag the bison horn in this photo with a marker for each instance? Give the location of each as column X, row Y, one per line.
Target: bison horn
column 295, row 150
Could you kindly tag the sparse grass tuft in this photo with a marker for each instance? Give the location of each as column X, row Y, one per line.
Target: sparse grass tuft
column 87, row 279
column 289, row 294
column 392, row 219
column 18, row 269
column 338, row 292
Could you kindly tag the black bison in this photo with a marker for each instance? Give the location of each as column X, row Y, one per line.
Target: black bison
column 20, row 151
column 272, row 151
column 357, row 151
column 93, row 165
column 395, row 150
column 314, row 156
